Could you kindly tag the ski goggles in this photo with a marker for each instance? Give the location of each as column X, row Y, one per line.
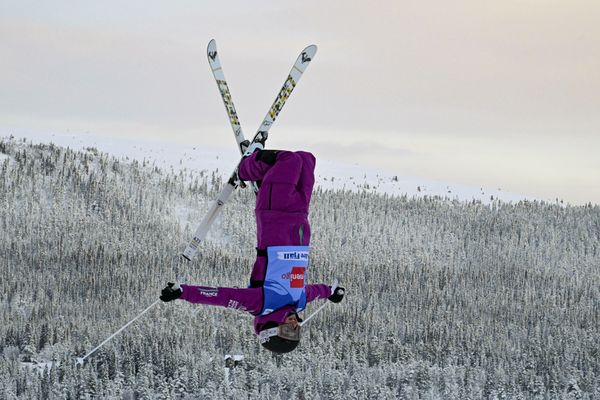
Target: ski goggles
column 284, row 331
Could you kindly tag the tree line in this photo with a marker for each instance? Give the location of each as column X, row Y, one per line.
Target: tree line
column 445, row 298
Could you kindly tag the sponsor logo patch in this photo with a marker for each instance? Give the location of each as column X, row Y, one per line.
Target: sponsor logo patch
column 208, row 292
column 292, row 255
column 297, row 277
column 235, row 304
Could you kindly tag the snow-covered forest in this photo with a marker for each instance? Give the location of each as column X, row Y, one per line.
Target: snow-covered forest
column 445, row 299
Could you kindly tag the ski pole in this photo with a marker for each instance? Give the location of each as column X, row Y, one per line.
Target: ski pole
column 80, row 360
column 334, row 286
column 312, row 315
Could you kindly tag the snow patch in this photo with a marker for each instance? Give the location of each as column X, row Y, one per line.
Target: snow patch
column 190, row 217
column 339, row 176
column 328, row 175
column 165, row 155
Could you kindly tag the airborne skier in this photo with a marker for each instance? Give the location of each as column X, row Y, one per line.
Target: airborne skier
column 277, row 290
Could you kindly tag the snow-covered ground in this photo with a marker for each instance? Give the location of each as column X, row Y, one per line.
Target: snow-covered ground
column 329, row 174
column 356, row 177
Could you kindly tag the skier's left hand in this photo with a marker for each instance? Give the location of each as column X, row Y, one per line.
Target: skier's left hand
column 338, row 295
column 171, row 292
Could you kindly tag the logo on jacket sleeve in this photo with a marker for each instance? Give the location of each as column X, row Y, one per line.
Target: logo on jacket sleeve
column 208, row 291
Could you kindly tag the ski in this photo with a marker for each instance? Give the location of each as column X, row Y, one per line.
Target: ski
column 215, row 65
column 294, row 76
column 290, row 83
column 300, row 65
column 217, row 70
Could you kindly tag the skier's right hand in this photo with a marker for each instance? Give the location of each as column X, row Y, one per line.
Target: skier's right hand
column 171, row 292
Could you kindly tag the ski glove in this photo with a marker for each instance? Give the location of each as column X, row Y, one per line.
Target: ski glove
column 338, row 295
column 171, row 292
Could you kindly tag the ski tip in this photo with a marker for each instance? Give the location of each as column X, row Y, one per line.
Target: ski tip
column 310, row 50
column 212, row 46
column 211, row 52
column 305, row 57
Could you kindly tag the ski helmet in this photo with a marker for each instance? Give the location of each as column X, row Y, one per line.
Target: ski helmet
column 279, row 339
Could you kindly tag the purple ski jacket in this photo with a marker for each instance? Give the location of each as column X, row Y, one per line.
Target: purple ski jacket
column 286, row 181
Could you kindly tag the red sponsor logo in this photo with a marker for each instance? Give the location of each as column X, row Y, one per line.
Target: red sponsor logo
column 297, row 277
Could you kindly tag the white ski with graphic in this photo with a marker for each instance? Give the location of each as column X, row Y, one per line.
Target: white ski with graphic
column 294, row 76
column 261, row 135
column 217, row 70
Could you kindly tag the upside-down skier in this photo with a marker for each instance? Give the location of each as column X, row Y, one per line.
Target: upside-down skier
column 277, row 290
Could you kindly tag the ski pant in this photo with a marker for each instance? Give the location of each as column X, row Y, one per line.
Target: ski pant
column 286, row 181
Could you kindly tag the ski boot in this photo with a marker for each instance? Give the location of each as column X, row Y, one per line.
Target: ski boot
column 247, row 150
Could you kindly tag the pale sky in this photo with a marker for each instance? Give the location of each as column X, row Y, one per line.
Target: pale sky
column 493, row 93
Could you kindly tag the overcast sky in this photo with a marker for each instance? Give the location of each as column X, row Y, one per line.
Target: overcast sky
column 492, row 93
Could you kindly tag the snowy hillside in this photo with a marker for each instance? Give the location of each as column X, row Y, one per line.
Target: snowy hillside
column 329, row 174
column 445, row 299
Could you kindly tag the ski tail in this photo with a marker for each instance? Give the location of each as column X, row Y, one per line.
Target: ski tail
column 215, row 209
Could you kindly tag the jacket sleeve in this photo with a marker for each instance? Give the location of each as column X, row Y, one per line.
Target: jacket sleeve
column 249, row 300
column 314, row 292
